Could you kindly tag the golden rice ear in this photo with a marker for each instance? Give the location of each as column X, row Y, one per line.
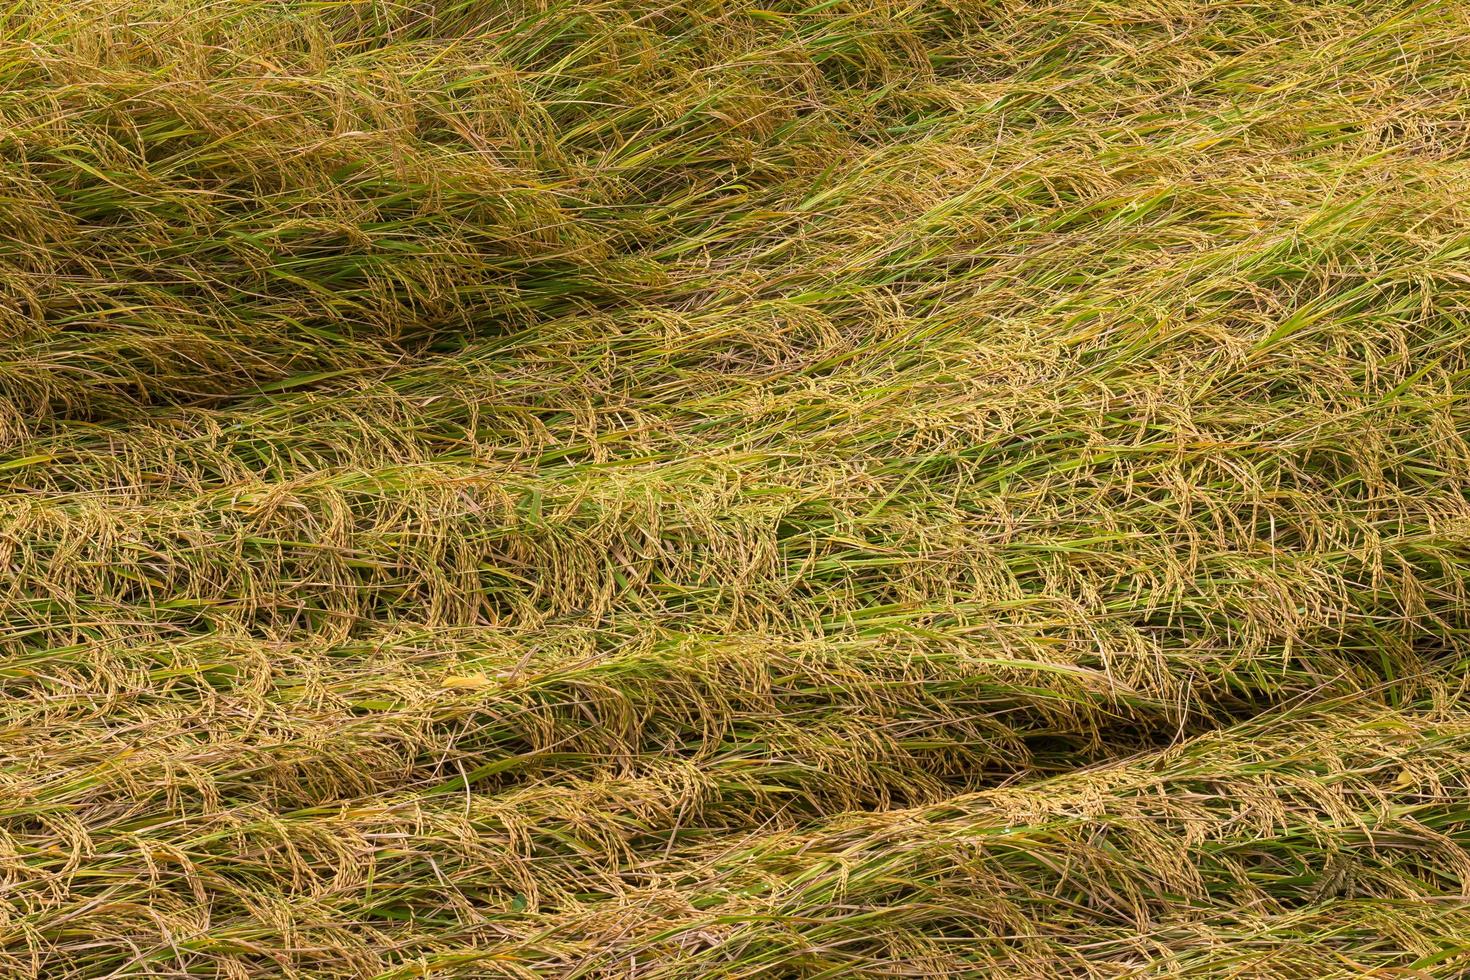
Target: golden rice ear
column 855, row 488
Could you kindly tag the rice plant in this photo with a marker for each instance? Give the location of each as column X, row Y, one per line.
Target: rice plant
column 585, row 488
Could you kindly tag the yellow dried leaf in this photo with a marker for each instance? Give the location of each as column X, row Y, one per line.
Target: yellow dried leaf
column 466, row 682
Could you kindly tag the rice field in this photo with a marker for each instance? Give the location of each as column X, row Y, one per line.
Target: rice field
column 611, row 489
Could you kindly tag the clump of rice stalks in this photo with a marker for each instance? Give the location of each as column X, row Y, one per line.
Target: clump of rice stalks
column 865, row 488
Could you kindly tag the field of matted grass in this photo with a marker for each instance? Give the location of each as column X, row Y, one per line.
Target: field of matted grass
column 595, row 488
